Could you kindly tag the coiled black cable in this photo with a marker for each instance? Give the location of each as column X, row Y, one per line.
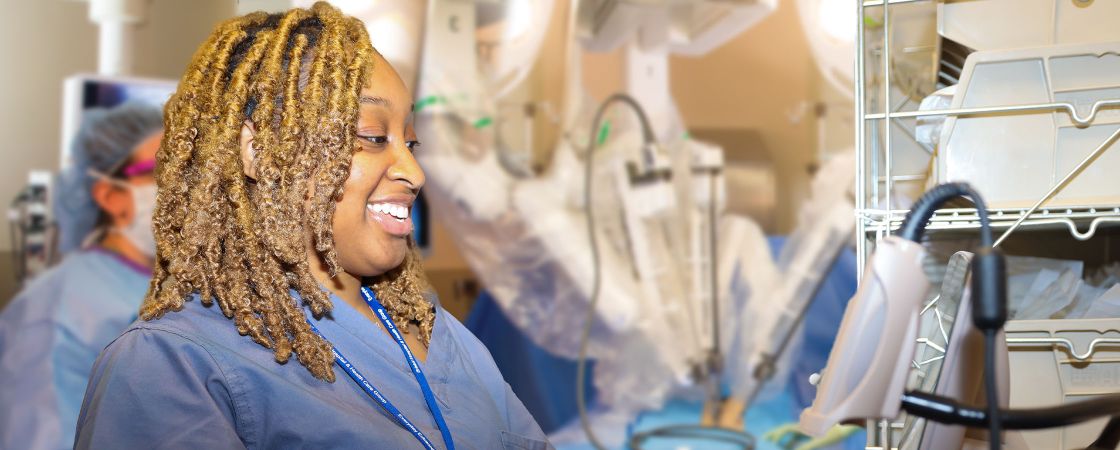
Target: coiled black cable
column 914, row 225
column 989, row 284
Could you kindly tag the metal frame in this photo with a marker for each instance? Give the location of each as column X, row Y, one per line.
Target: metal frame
column 1065, row 343
column 873, row 224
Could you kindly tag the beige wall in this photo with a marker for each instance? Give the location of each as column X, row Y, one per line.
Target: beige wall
column 756, row 81
column 248, row 6
column 165, row 44
column 41, row 42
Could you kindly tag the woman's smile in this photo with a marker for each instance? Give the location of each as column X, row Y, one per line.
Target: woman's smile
column 392, row 213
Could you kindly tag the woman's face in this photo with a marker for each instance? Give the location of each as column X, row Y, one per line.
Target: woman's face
column 372, row 221
column 114, row 199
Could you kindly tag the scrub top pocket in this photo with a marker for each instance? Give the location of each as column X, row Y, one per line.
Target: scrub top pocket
column 512, row 441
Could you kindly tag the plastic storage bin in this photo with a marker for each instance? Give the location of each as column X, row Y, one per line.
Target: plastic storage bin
column 1015, row 158
column 1003, row 24
column 1049, row 375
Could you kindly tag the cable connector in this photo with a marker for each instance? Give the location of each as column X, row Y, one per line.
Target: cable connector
column 989, row 289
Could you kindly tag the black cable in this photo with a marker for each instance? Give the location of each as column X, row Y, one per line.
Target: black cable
column 913, row 226
column 949, row 411
column 1109, row 438
column 990, row 385
column 989, row 283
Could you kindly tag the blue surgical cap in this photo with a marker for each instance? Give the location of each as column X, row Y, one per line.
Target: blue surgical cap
column 105, row 141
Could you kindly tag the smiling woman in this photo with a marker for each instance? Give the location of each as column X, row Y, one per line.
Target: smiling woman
column 285, row 180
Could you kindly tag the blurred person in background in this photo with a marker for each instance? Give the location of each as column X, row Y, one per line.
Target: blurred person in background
column 288, row 306
column 53, row 330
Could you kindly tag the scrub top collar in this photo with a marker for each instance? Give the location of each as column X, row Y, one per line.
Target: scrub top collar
column 135, row 266
column 436, row 366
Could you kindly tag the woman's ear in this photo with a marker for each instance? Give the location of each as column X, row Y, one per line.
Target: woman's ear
column 248, row 152
column 116, row 203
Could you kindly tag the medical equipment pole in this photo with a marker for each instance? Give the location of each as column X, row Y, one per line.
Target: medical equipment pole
column 116, row 21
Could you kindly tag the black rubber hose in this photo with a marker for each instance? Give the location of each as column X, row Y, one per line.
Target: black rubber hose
column 948, row 411
column 994, row 429
column 1109, row 438
column 913, row 226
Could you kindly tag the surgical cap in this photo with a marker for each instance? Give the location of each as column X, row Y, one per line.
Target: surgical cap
column 106, row 139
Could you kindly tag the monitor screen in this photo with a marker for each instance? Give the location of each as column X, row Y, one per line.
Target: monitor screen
column 83, row 92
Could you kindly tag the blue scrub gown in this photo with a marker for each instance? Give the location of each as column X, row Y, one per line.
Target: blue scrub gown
column 189, row 380
column 50, row 335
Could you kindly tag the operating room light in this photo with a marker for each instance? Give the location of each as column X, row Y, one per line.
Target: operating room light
column 390, row 24
column 354, row 7
column 834, row 17
column 519, row 15
column 395, row 27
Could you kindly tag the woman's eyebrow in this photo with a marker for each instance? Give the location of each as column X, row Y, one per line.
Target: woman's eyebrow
column 382, row 101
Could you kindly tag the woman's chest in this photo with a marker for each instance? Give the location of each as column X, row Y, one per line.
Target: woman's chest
column 279, row 412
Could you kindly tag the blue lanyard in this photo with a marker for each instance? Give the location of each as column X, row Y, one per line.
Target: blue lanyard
column 377, row 396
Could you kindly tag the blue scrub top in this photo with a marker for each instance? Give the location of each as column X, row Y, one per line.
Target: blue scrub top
column 189, row 380
column 50, row 335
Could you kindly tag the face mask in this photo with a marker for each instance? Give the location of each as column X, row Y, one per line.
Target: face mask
column 139, row 231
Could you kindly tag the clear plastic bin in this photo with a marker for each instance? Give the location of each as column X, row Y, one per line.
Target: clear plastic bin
column 1046, row 374
column 1013, row 159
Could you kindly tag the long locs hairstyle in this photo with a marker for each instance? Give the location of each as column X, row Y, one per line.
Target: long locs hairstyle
column 241, row 242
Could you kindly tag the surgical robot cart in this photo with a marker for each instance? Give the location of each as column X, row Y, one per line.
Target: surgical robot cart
column 664, row 312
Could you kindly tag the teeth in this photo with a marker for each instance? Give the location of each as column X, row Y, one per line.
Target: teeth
column 397, row 211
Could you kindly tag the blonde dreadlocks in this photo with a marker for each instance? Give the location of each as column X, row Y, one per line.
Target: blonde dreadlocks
column 241, row 242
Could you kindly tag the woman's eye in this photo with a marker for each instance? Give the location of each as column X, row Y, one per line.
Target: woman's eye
column 379, row 140
column 413, row 145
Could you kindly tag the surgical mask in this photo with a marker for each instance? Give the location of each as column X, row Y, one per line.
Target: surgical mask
column 139, row 231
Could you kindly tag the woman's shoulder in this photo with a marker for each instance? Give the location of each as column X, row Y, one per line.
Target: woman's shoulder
column 205, row 332
column 193, row 318
column 198, row 324
column 151, row 365
column 197, row 346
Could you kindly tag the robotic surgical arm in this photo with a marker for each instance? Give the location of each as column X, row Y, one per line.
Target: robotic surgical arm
column 777, row 295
